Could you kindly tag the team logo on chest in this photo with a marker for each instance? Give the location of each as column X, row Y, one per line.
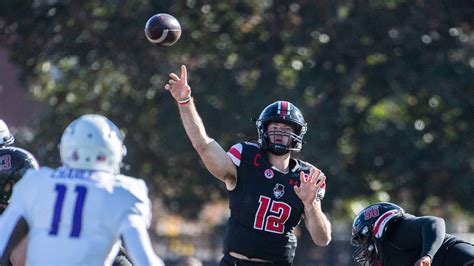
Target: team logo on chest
column 269, row 174
column 278, row 191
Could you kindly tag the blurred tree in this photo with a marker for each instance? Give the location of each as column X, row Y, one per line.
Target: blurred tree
column 386, row 87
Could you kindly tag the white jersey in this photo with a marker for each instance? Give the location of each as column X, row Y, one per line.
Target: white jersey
column 76, row 217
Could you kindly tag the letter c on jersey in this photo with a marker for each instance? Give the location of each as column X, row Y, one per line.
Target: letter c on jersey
column 255, row 159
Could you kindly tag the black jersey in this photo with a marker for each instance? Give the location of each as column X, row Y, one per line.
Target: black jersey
column 412, row 237
column 264, row 209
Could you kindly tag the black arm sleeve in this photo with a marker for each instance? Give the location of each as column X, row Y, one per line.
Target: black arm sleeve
column 425, row 234
column 433, row 232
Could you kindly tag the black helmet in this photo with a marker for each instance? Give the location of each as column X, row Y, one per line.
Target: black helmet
column 281, row 112
column 371, row 224
column 6, row 138
column 14, row 162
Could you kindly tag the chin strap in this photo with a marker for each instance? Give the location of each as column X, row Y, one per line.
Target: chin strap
column 277, row 149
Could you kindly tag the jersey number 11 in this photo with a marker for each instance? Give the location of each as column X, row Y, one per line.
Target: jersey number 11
column 61, row 190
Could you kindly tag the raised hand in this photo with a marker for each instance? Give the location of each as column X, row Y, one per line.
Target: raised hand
column 309, row 185
column 178, row 86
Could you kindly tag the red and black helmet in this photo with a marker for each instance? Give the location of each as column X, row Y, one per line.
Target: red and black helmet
column 14, row 162
column 370, row 225
column 281, row 112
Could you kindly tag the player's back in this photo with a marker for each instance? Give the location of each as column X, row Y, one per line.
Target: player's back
column 76, row 216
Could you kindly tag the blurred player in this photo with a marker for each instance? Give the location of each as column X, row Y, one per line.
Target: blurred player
column 385, row 235
column 77, row 214
column 14, row 162
column 268, row 190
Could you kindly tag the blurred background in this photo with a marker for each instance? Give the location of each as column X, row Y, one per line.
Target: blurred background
column 386, row 86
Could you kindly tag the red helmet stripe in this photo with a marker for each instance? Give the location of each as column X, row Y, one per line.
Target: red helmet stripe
column 382, row 220
column 284, row 108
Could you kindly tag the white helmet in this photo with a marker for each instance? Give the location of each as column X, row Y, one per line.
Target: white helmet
column 92, row 142
column 6, row 138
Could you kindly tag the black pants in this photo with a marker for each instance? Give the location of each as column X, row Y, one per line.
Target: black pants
column 460, row 254
column 228, row 260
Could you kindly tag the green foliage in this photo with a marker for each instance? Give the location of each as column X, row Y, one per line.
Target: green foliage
column 386, row 87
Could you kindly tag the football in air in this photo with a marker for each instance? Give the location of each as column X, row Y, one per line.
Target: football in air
column 163, row 29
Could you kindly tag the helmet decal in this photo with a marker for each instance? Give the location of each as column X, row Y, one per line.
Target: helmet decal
column 371, row 212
